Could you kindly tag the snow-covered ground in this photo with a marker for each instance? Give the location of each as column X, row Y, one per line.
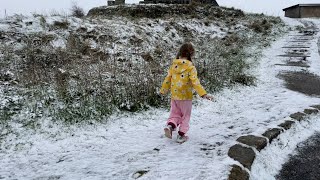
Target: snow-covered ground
column 130, row 143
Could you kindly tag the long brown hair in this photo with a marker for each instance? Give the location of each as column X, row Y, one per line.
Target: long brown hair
column 186, row 51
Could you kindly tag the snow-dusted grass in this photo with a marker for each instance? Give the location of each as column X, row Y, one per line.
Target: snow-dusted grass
column 131, row 142
column 93, row 66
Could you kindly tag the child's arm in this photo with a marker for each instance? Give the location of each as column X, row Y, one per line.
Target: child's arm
column 166, row 83
column 196, row 83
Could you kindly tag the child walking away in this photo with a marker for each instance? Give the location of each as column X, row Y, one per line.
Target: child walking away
column 181, row 79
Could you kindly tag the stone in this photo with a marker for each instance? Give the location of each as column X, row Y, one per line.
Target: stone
column 272, row 134
column 138, row 174
column 311, row 111
column 242, row 154
column 286, row 125
column 298, row 116
column 237, row 173
column 316, row 106
column 253, row 141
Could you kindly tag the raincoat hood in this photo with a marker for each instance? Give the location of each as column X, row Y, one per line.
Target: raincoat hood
column 181, row 65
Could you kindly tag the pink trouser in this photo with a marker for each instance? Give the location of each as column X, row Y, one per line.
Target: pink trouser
column 180, row 114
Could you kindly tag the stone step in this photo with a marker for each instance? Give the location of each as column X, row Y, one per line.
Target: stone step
column 299, row 41
column 302, row 35
column 293, row 55
column 302, row 47
column 295, row 65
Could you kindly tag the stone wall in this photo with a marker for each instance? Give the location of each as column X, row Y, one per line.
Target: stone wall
column 165, row 2
column 213, row 2
column 165, row 11
column 116, row 2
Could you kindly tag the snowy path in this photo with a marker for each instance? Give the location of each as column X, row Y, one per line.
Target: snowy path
column 273, row 162
column 128, row 144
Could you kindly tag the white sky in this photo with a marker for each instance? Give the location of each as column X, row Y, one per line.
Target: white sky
column 271, row 7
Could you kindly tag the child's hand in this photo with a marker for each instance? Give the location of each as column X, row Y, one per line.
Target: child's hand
column 207, row 97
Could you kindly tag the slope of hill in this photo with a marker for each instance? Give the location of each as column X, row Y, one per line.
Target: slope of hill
column 81, row 69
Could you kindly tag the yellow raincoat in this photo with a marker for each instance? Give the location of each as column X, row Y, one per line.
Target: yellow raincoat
column 182, row 79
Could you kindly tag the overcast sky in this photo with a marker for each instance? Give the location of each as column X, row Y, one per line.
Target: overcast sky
column 271, row 7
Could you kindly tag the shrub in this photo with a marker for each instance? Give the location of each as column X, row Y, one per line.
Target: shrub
column 244, row 79
column 61, row 24
column 299, row 28
column 77, row 11
column 147, row 57
column 261, row 26
column 43, row 22
column 77, row 45
column 256, row 26
column 35, row 15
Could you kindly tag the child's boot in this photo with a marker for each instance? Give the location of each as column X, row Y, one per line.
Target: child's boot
column 182, row 139
column 168, row 131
